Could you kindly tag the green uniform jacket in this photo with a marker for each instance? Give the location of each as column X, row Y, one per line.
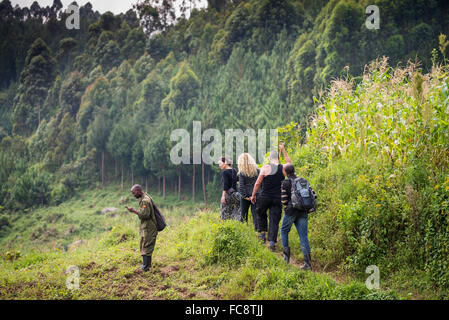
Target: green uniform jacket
column 147, row 229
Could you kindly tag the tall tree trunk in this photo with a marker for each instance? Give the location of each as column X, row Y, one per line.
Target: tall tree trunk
column 158, row 185
column 102, row 167
column 115, row 170
column 163, row 186
column 203, row 182
column 122, row 178
column 38, row 114
column 132, row 176
column 146, row 184
column 179, row 184
column 193, row 183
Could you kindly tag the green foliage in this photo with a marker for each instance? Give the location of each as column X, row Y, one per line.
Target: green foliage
column 134, row 45
column 35, row 81
column 71, row 92
column 143, row 67
column 12, row 255
column 371, row 156
column 120, row 140
column 252, row 270
column 96, row 96
column 107, row 52
column 229, row 244
column 184, row 88
column 32, row 188
column 117, row 235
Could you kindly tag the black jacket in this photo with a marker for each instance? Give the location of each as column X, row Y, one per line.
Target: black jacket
column 246, row 185
column 229, row 179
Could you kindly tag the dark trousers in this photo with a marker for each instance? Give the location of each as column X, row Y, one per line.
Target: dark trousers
column 244, row 207
column 274, row 206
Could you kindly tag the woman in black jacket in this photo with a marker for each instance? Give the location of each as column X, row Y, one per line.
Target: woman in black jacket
column 248, row 173
column 230, row 197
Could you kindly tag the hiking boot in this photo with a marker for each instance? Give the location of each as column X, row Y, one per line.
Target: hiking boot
column 286, row 255
column 307, row 262
column 272, row 245
column 146, row 263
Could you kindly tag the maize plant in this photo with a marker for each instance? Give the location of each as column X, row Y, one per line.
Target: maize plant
column 391, row 113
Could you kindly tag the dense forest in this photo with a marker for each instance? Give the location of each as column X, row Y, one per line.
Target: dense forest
column 95, row 106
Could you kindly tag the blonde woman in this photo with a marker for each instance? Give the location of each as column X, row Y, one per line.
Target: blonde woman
column 248, row 173
column 230, row 197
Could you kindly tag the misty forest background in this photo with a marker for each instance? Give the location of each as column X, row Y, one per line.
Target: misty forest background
column 95, row 107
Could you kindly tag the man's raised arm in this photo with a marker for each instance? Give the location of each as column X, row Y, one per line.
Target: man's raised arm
column 286, row 157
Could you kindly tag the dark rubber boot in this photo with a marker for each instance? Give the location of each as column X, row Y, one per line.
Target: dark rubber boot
column 146, row 263
column 307, row 262
column 286, row 256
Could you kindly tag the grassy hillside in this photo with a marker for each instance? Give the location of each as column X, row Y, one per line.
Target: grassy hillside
column 196, row 257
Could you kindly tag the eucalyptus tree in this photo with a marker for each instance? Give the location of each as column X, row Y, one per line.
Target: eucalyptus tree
column 35, row 81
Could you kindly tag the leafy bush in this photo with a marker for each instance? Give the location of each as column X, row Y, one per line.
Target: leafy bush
column 12, row 255
column 30, row 259
column 436, row 235
column 117, row 235
column 279, row 283
column 228, row 243
column 32, row 188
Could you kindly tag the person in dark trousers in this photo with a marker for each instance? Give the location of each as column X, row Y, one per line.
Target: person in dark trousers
column 248, row 173
column 296, row 217
column 230, row 197
column 148, row 230
column 270, row 179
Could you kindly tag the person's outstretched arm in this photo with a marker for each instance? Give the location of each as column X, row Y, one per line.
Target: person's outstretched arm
column 286, row 157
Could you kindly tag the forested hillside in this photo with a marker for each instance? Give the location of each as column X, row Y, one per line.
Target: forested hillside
column 95, row 107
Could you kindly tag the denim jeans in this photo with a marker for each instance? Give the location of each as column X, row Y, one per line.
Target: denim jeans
column 300, row 222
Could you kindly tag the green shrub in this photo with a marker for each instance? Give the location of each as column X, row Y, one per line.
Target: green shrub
column 12, row 255
column 228, row 243
column 32, row 188
column 60, row 193
column 117, row 235
column 30, row 259
column 436, row 235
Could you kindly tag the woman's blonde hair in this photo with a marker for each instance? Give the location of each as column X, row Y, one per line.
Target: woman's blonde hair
column 247, row 165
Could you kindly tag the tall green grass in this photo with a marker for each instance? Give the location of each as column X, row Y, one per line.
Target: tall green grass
column 377, row 153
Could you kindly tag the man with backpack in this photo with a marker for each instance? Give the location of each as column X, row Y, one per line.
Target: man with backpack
column 148, row 225
column 299, row 200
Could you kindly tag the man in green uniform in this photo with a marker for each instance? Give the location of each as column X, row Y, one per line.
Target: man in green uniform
column 148, row 230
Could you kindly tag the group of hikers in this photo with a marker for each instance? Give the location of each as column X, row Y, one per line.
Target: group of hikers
column 264, row 191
